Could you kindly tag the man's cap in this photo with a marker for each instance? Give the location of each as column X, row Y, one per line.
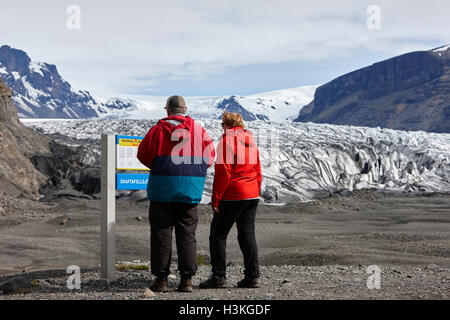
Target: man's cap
column 176, row 104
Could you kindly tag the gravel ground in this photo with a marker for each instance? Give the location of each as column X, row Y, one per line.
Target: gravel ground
column 315, row 250
column 277, row 283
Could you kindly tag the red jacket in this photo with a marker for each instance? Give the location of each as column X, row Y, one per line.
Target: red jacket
column 237, row 169
column 178, row 151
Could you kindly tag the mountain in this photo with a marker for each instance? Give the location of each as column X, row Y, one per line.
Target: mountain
column 40, row 92
column 408, row 92
column 232, row 105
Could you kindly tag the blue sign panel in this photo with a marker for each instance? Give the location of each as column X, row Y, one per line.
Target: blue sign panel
column 131, row 181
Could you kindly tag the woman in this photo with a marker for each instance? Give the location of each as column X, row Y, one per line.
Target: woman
column 235, row 197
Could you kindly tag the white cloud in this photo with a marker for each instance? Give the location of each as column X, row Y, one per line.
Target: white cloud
column 125, row 45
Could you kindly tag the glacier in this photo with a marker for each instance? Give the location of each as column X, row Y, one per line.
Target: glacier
column 301, row 161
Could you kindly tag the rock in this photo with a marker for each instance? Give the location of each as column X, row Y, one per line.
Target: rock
column 90, row 181
column 270, row 194
column 432, row 267
column 149, row 293
column 285, row 281
column 172, row 277
column 139, row 218
column 132, row 196
column 64, row 196
column 14, row 284
column 51, row 166
column 2, row 211
column 65, row 169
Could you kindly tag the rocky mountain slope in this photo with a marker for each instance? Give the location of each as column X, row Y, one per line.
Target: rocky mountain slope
column 408, row 92
column 17, row 145
column 33, row 165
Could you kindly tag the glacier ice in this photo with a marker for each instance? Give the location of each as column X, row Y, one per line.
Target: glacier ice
column 303, row 160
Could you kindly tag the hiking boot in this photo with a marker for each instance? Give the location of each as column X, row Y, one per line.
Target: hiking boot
column 213, row 283
column 248, row 282
column 185, row 285
column 159, row 285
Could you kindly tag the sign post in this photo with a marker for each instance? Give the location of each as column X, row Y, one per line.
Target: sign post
column 108, row 203
column 117, row 153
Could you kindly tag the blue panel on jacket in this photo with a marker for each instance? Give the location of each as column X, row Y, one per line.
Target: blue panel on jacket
column 175, row 188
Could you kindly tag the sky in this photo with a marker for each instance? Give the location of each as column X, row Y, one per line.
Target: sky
column 212, row 47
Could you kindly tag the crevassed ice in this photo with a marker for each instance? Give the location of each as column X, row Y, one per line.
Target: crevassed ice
column 301, row 160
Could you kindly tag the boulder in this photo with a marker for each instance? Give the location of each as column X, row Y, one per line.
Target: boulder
column 89, row 181
column 132, row 196
column 14, row 284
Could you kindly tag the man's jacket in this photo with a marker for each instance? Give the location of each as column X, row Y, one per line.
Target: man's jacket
column 178, row 152
column 237, row 169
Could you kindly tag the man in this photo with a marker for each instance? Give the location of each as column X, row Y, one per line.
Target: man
column 178, row 151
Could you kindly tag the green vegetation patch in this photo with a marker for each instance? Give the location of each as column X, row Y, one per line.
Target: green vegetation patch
column 135, row 267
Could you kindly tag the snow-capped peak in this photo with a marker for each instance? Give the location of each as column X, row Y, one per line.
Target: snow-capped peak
column 441, row 49
column 278, row 106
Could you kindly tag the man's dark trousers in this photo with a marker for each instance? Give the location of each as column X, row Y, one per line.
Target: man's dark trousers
column 163, row 218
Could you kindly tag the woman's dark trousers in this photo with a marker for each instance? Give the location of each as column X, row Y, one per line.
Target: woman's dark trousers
column 242, row 212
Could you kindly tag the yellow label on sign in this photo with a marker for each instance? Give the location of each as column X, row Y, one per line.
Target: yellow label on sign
column 129, row 142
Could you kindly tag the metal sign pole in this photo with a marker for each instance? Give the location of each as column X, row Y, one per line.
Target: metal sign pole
column 108, row 203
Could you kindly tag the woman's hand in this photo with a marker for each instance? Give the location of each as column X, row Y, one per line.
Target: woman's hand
column 215, row 209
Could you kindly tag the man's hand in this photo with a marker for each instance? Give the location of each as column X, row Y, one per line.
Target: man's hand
column 215, row 209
